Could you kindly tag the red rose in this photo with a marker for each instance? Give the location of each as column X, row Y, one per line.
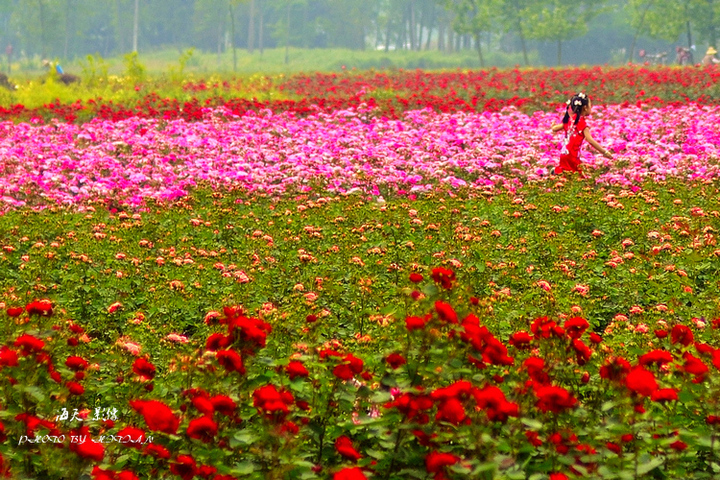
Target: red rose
column 682, row 335
column 29, row 344
column 15, row 311
column 344, row 447
column 135, row 435
column 395, row 360
column 296, row 369
column 144, row 369
column 353, row 473
column 8, row 357
column 203, row 428
column 89, row 449
column 679, row 445
column 39, row 307
column 415, row 323
column 158, row 416
column 223, row 404
column 231, row 360
column 203, row 405
column 554, row 399
column 436, row 461
column 157, row 451
column 416, row 278
column 641, row 381
column 694, row 366
column 664, row 395
column 451, row 411
column 576, row 326
column 100, row 474
column 76, row 363
column 184, row 466
column 520, row 339
column 75, row 388
column 216, row 341
column 445, row 312
column 269, row 400
column 443, row 276
column 661, row 357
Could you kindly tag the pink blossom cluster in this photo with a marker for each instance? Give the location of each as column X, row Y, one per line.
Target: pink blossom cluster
column 348, row 150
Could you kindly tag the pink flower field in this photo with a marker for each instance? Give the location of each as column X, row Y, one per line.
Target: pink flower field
column 135, row 159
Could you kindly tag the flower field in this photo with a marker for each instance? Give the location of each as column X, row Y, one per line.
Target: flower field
column 347, row 292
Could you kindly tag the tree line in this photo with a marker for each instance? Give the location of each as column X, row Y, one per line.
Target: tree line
column 72, row 28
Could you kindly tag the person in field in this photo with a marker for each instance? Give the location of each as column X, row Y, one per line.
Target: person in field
column 709, row 58
column 576, row 131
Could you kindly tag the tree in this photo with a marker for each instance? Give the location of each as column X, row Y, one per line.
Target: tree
column 513, row 21
column 559, row 20
column 475, row 17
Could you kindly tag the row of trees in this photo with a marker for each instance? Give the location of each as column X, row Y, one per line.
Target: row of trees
column 70, row 28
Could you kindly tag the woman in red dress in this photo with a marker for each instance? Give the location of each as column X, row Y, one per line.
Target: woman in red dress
column 580, row 106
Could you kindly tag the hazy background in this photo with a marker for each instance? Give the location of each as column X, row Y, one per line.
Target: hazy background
column 369, row 33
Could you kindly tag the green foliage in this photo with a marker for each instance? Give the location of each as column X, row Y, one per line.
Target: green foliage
column 135, row 71
column 95, row 71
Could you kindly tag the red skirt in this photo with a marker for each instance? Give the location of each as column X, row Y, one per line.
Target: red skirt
column 568, row 163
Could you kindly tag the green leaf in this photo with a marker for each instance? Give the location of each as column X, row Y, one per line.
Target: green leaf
column 244, row 468
column 651, row 464
column 36, row 393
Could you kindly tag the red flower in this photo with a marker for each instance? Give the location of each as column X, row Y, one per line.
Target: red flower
column 231, row 360
column 29, row 344
column 76, row 363
column 542, row 327
column 679, row 445
column 350, row 367
column 296, row 369
column 353, row 473
column 39, row 307
column 270, row 401
column 451, row 411
column 144, row 369
column 664, row 395
column 75, row 388
column 158, row 416
column 682, row 335
column 661, row 357
column 416, row 278
column 595, row 338
column 576, row 326
column 558, row 476
column 89, row 449
column 344, row 447
column 533, row 438
column 203, row 428
column 395, row 360
column 157, row 451
column 184, row 466
column 15, row 311
column 554, row 399
column 223, row 404
column 8, row 357
column 311, row 318
column 641, row 381
column 521, row 339
column 446, row 312
column 415, row 323
column 203, row 404
column 216, row 341
column 250, row 330
column 436, row 461
column 496, row 406
column 615, row 369
column 443, row 276
column 614, row 447
column 134, row 434
column 694, row 366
